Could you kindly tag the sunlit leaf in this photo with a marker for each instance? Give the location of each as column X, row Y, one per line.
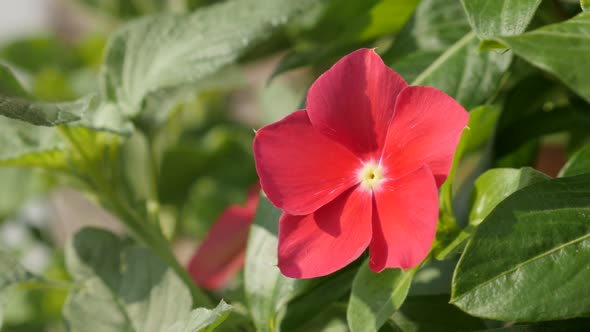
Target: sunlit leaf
column 532, row 246
column 578, row 164
column 495, row 185
column 550, row 47
column 203, row 320
column 499, row 18
column 170, row 51
column 122, row 287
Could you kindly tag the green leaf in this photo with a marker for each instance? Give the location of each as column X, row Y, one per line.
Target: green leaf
column 435, row 26
column 25, row 136
column 345, row 26
column 311, row 305
column 578, row 164
column 376, row 296
column 532, row 246
column 203, row 320
column 493, row 186
column 12, row 272
column 169, row 51
column 499, row 18
column 16, row 103
column 570, row 325
column 482, row 123
column 436, row 48
column 26, row 145
column 267, row 290
column 465, row 73
column 121, row 287
column 433, row 313
column 561, row 49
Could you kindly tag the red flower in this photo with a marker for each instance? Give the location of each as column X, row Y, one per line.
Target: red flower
column 359, row 168
column 222, row 253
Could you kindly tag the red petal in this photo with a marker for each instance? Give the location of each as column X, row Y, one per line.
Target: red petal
column 425, row 129
column 327, row 240
column 221, row 255
column 404, row 221
column 353, row 102
column 300, row 169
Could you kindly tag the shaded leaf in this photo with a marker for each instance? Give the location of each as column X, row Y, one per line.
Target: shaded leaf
column 312, row 304
column 433, row 313
column 434, row 26
column 436, row 48
column 376, row 296
column 570, row 325
column 345, row 26
column 533, row 245
column 499, row 18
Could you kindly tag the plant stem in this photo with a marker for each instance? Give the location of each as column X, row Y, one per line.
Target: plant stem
column 146, row 233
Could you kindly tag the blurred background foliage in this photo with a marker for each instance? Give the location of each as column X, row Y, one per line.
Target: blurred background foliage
column 203, row 150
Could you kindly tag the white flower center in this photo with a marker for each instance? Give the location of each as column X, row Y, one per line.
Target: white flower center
column 370, row 176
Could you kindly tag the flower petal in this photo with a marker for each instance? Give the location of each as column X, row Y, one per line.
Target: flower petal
column 353, row 102
column 404, row 221
column 425, row 129
column 300, row 169
column 327, row 240
column 222, row 253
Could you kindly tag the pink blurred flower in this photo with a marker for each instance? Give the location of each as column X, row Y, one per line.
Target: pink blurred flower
column 221, row 254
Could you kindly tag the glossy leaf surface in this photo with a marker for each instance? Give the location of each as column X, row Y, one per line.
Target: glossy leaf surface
column 532, row 245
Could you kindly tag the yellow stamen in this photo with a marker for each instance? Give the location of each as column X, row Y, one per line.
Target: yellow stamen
column 370, row 176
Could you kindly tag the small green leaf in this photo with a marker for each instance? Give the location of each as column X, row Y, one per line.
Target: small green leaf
column 578, row 164
column 501, row 17
column 120, row 287
column 533, row 245
column 481, row 126
column 267, row 290
column 548, row 46
column 16, row 103
column 376, row 296
column 203, row 320
column 168, row 51
column 493, row 186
